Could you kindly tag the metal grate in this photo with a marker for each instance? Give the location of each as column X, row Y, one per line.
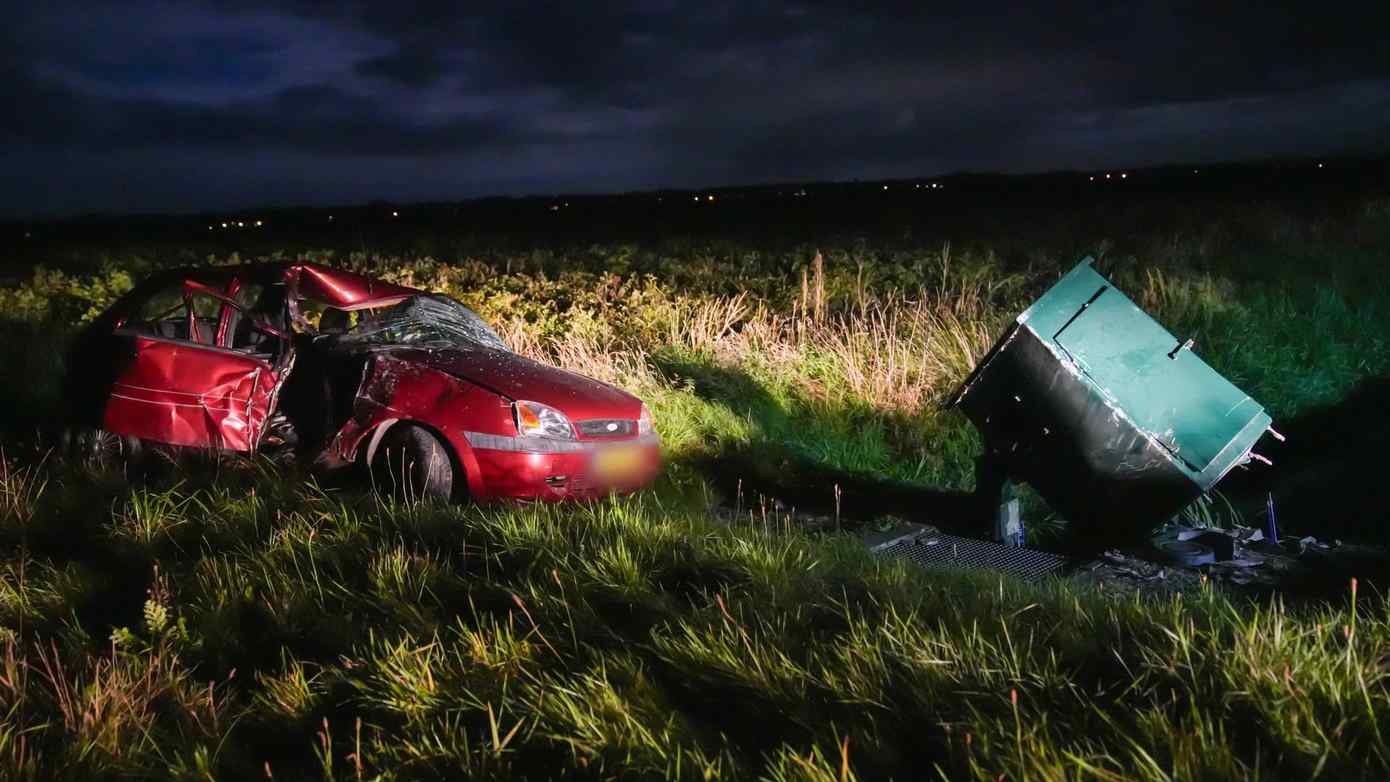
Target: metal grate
column 935, row 549
column 607, row 427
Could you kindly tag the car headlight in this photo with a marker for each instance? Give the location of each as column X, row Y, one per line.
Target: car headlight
column 534, row 419
column 645, row 425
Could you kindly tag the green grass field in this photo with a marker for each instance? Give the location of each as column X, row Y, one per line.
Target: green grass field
column 238, row 619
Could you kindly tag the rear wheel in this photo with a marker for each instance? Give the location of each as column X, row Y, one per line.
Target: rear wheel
column 411, row 463
column 98, row 447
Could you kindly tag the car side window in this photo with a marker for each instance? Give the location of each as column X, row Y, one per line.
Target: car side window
column 181, row 312
column 163, row 314
column 206, row 313
column 257, row 323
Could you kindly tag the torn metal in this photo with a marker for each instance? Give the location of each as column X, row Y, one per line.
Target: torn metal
column 1114, row 421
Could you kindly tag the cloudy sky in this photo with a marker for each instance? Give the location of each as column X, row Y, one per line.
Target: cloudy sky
column 182, row 106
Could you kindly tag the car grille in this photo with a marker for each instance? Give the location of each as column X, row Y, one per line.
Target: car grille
column 607, row 427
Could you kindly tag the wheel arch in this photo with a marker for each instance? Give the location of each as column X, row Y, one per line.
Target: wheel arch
column 461, row 457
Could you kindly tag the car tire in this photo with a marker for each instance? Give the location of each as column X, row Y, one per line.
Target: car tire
column 411, row 463
column 99, row 447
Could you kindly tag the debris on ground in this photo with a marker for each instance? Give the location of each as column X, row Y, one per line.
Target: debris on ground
column 1181, row 558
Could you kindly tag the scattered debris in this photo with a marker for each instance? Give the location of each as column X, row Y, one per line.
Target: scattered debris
column 1180, row 558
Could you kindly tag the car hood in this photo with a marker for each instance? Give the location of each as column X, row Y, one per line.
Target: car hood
column 518, row 377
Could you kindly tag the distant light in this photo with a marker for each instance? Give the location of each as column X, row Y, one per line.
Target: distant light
column 209, row 228
column 240, row 224
column 918, row 185
column 1124, row 176
column 711, row 198
column 258, row 223
column 394, row 213
column 1093, row 177
column 224, row 225
column 554, row 207
column 697, row 198
column 27, row 234
column 885, row 187
column 330, row 217
column 1319, row 165
column 1107, row 176
column 1194, row 170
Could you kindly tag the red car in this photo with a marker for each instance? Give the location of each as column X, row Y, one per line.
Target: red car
column 349, row 370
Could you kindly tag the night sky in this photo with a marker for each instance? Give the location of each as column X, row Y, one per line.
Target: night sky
column 181, row 106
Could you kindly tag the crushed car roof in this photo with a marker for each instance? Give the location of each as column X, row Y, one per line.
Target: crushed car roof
column 337, row 288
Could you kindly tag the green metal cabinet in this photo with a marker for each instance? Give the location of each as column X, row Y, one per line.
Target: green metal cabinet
column 1115, row 421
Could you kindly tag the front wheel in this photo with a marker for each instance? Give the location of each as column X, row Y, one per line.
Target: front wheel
column 411, row 463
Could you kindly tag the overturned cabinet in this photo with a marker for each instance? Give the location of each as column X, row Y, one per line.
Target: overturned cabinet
column 1114, row 421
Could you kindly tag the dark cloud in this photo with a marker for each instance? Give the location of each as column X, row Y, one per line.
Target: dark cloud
column 441, row 99
column 409, row 67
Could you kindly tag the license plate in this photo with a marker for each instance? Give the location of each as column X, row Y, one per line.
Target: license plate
column 617, row 463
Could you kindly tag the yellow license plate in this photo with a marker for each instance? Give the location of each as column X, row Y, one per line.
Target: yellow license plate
column 617, row 463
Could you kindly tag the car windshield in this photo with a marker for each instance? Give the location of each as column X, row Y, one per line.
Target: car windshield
column 426, row 321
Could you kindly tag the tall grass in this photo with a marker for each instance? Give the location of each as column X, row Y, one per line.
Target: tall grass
column 635, row 637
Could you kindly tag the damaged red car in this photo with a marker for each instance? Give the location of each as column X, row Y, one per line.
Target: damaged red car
column 346, row 371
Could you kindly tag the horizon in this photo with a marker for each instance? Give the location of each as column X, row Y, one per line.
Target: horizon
column 1331, row 163
column 154, row 107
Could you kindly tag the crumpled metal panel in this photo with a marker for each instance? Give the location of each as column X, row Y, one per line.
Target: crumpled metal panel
column 393, row 389
column 344, row 289
column 1111, row 418
column 176, row 393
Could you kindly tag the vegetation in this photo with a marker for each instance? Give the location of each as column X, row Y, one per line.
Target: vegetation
column 231, row 618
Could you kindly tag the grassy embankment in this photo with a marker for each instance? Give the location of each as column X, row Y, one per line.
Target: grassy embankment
column 237, row 619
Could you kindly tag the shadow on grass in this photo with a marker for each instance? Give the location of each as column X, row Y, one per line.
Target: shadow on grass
column 32, row 356
column 776, row 466
column 1329, row 480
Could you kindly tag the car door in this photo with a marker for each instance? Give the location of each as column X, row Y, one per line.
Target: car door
column 178, row 382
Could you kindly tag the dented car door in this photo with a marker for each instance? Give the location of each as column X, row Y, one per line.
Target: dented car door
column 193, row 391
column 182, row 393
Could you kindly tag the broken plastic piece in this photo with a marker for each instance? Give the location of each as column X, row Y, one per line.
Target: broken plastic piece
column 1187, row 553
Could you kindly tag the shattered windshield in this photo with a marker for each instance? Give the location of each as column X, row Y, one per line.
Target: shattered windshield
column 425, row 321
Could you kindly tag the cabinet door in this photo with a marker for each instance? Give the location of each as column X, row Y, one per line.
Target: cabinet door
column 1163, row 388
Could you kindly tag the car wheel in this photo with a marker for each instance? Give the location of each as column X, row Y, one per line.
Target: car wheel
column 99, row 447
column 411, row 463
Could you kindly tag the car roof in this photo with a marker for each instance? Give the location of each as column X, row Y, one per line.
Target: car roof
column 337, row 288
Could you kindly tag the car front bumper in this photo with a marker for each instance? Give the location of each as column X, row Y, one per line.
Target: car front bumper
column 524, row 468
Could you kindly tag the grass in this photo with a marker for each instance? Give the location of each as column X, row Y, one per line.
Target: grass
column 237, row 619
column 338, row 635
